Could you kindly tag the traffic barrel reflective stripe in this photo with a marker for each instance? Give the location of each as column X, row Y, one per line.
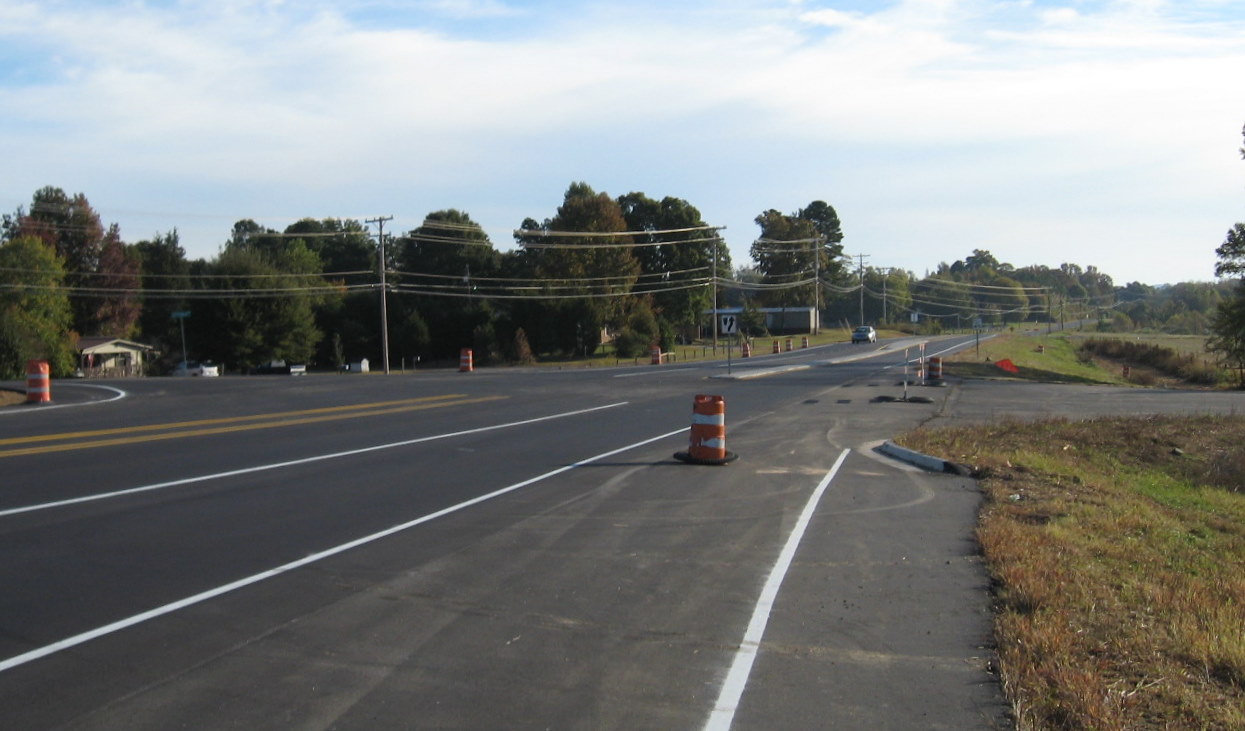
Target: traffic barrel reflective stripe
column 708, row 436
column 38, row 382
column 465, row 364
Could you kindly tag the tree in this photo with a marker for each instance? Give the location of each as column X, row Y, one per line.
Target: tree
column 1227, row 327
column 1231, row 253
column 943, row 299
column 784, row 254
column 35, row 313
column 348, row 257
column 72, row 228
column 794, row 248
column 441, row 266
column 264, row 305
column 118, row 307
column 587, row 277
column 678, row 271
column 164, row 278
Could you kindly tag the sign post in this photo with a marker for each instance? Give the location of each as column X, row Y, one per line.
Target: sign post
column 729, row 325
column 181, row 316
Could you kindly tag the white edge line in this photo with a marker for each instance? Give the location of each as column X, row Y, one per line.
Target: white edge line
column 291, row 463
column 37, row 408
column 89, row 635
column 723, row 714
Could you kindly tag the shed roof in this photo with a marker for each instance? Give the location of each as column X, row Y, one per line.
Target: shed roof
column 111, row 345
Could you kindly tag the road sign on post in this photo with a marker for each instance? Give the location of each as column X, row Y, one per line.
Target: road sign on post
column 728, row 324
column 181, row 316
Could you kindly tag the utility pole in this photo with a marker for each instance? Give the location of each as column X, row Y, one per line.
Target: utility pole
column 713, row 318
column 817, row 283
column 862, row 286
column 384, row 289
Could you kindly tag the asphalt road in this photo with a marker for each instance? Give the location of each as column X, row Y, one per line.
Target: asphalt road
column 500, row 549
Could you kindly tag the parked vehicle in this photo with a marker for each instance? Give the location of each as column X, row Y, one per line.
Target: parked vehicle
column 196, row 368
column 864, row 334
column 279, row 367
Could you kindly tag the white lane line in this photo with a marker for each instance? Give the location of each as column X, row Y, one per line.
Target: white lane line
column 659, row 371
column 256, row 578
column 291, row 463
column 723, row 714
column 37, row 408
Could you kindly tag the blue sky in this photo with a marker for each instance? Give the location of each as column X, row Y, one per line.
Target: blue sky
column 1100, row 133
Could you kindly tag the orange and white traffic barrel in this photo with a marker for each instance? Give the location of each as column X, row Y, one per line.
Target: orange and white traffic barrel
column 935, row 369
column 745, row 350
column 655, row 353
column 708, row 436
column 776, row 348
column 465, row 364
column 788, row 345
column 38, row 382
column 804, row 342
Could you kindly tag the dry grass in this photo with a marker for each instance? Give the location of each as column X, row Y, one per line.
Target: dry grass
column 10, row 398
column 1117, row 548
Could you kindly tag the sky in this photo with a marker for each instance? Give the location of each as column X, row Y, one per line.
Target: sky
column 1100, row 133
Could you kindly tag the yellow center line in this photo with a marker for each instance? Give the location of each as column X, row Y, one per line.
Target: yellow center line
column 223, row 420
column 236, row 427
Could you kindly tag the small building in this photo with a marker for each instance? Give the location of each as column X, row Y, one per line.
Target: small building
column 103, row 357
column 781, row 320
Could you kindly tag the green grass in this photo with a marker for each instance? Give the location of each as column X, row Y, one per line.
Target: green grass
column 1046, row 358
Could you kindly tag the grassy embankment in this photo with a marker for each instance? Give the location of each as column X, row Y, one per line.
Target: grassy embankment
column 1153, row 360
column 1117, row 551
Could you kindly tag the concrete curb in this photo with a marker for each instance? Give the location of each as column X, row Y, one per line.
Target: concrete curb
column 924, row 461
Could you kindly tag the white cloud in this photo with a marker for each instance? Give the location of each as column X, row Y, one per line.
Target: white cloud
column 979, row 110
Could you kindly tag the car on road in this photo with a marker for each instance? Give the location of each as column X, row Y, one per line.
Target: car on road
column 279, row 367
column 196, row 368
column 864, row 334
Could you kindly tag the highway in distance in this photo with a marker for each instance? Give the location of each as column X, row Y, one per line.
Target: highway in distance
column 509, row 548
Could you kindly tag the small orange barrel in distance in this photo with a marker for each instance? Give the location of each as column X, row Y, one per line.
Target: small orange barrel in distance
column 935, row 368
column 776, row 348
column 745, row 350
column 465, row 364
column 788, row 345
column 38, row 382
column 804, row 342
column 708, row 436
column 655, row 352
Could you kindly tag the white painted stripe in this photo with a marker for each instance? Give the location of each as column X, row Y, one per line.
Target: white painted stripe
column 48, row 407
column 107, row 629
column 292, row 463
column 723, row 714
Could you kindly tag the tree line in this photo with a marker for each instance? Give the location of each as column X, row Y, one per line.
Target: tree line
column 633, row 270
column 636, row 269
